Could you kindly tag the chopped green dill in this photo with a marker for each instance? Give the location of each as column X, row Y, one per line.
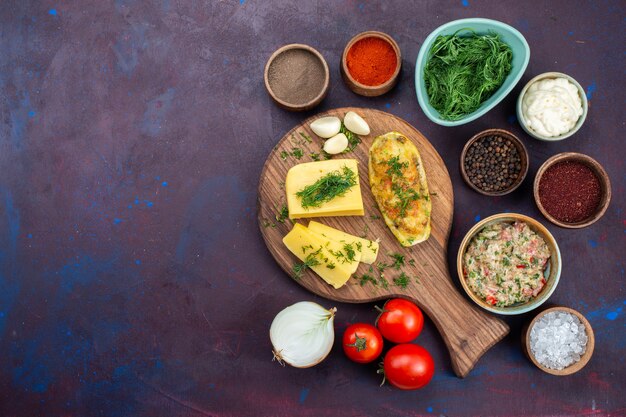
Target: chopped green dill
column 307, row 247
column 412, row 262
column 381, row 266
column 396, row 167
column 402, row 280
column 353, row 139
column 306, row 137
column 365, row 278
column 398, row 260
column 382, row 281
column 315, row 156
column 350, row 254
column 366, row 229
column 283, row 214
column 417, row 279
column 310, row 261
column 330, row 265
column 331, row 185
column 325, row 154
column 371, row 268
column 297, row 153
column 359, row 246
column 267, row 223
column 284, row 155
column 406, row 196
column 374, row 217
column 463, row 71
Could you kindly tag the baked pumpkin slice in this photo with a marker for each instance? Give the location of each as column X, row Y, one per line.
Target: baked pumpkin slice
column 398, row 183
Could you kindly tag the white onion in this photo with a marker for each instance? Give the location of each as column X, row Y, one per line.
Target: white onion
column 355, row 123
column 303, row 334
column 326, row 127
column 336, row 144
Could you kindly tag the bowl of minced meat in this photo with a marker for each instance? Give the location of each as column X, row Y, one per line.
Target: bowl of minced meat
column 509, row 263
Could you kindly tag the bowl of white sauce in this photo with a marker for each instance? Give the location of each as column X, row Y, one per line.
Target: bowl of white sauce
column 552, row 106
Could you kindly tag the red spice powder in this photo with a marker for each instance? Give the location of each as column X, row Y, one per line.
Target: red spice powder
column 371, row 61
column 570, row 191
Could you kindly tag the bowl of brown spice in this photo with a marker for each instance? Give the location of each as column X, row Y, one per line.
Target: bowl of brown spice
column 297, row 77
column 572, row 190
column 371, row 63
column 494, row 162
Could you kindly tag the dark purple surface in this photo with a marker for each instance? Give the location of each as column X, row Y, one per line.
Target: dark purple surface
column 133, row 277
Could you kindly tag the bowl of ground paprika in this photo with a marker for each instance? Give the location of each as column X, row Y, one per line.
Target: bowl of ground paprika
column 572, row 190
column 371, row 63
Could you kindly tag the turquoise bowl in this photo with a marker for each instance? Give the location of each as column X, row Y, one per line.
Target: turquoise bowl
column 510, row 35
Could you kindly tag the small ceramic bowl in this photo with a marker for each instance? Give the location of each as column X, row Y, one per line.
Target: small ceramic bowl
column 595, row 166
column 369, row 90
column 552, row 272
column 521, row 150
column 323, row 87
column 579, row 123
column 573, row 368
column 521, row 56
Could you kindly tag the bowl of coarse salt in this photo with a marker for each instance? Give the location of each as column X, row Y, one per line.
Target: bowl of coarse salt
column 559, row 341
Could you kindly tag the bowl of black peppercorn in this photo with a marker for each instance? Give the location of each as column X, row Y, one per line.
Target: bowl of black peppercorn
column 494, row 162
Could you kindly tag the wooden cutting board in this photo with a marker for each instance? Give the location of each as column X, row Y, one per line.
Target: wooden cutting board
column 467, row 331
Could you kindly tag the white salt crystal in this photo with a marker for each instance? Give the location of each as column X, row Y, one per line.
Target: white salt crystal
column 557, row 340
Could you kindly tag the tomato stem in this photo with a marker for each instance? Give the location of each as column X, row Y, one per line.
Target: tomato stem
column 360, row 343
column 381, row 370
column 381, row 311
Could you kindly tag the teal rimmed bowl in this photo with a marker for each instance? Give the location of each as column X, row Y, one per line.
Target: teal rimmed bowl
column 552, row 272
column 510, row 35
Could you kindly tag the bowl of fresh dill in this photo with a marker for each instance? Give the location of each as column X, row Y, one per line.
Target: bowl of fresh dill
column 466, row 67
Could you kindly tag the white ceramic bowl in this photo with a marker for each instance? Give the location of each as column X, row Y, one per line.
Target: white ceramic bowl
column 581, row 119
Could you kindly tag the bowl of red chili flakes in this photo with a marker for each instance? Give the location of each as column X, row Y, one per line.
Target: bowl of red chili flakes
column 572, row 190
column 370, row 64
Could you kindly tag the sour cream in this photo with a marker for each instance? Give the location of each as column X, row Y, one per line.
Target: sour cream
column 551, row 107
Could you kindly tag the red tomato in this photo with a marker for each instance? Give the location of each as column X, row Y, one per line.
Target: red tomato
column 408, row 366
column 400, row 321
column 362, row 342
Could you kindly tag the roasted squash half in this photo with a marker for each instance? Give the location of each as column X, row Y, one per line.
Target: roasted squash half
column 398, row 183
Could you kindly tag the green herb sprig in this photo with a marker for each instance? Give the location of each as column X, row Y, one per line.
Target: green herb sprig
column 353, row 138
column 398, row 260
column 402, row 280
column 332, row 185
column 283, row 214
column 310, row 261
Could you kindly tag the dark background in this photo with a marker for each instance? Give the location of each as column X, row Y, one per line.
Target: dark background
column 133, row 277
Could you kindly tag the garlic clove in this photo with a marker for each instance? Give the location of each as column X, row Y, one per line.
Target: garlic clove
column 336, row 144
column 355, row 123
column 326, row 127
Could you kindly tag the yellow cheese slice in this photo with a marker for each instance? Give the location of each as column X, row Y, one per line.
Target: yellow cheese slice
column 331, row 261
column 299, row 176
column 368, row 248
